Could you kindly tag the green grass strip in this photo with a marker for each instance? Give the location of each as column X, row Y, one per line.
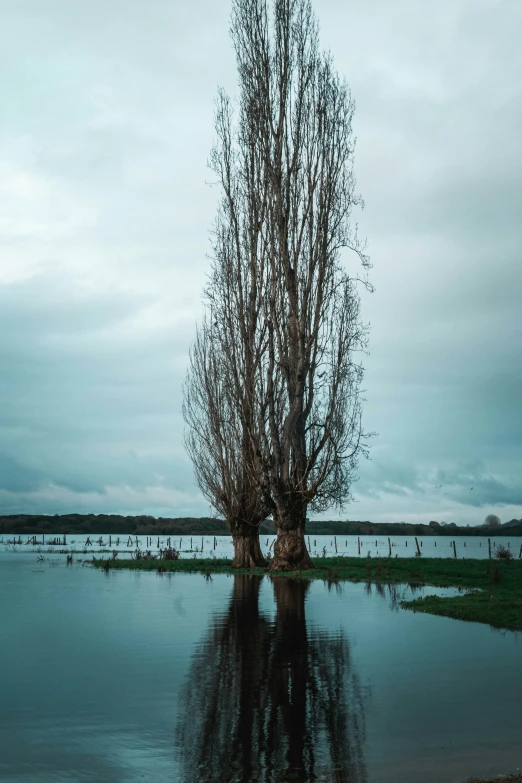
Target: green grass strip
column 492, row 589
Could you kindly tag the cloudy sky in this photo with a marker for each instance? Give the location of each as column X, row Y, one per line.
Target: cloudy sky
column 105, row 209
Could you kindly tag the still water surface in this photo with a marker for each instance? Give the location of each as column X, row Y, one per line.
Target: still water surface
column 136, row 676
column 221, row 546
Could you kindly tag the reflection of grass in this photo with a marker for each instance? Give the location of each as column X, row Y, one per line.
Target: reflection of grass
column 492, row 588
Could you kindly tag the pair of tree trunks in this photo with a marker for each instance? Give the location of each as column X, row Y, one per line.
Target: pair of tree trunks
column 290, row 551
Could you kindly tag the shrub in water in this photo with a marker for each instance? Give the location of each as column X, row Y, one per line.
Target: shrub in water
column 170, row 553
column 503, row 553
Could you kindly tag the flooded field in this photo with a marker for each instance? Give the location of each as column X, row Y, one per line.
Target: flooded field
column 136, row 676
column 221, row 546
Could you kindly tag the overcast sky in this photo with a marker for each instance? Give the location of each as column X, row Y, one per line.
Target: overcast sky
column 106, row 126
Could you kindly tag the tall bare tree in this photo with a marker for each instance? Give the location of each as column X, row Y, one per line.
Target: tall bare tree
column 274, row 378
column 221, row 406
column 218, row 442
column 299, row 114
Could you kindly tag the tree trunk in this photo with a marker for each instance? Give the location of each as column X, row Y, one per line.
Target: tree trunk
column 247, row 550
column 290, row 552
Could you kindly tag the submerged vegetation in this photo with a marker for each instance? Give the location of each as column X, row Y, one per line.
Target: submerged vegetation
column 491, row 589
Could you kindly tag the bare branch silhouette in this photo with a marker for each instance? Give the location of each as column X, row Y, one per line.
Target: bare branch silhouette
column 300, row 133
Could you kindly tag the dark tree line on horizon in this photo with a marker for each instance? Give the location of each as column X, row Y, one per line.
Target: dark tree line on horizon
column 272, row 396
column 28, row 524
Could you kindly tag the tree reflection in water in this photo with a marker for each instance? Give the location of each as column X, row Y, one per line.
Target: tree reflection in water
column 269, row 702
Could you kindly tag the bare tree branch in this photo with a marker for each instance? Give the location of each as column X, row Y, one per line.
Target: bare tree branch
column 310, row 373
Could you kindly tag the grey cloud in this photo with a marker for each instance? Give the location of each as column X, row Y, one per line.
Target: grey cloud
column 18, row 477
column 475, row 487
column 471, row 486
column 387, row 473
column 104, row 219
column 85, row 394
column 44, row 305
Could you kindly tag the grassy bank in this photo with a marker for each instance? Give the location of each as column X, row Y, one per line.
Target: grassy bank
column 492, row 590
column 509, row 779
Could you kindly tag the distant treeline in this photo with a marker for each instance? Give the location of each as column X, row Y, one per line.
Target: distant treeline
column 111, row 523
column 146, row 525
column 512, row 528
